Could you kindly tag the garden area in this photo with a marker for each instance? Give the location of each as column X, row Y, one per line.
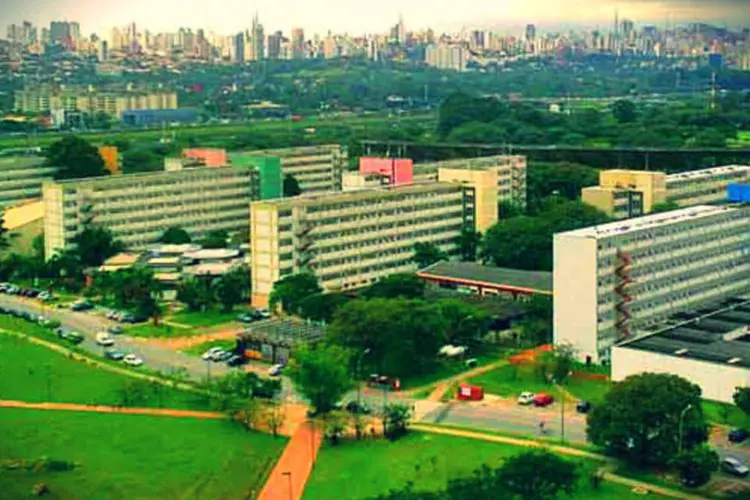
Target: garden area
column 34, row 373
column 132, row 456
column 370, row 468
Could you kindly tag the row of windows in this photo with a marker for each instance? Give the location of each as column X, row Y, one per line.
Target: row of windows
column 389, row 266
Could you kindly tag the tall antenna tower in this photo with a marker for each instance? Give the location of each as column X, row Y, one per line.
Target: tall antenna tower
column 712, row 104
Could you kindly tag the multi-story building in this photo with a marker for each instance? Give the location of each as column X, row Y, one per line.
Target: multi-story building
column 444, row 56
column 137, row 208
column 316, row 168
column 352, row 239
column 115, row 103
column 511, row 174
column 21, row 178
column 618, row 278
column 631, row 193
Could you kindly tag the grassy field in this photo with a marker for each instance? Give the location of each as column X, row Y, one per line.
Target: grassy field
column 208, row 318
column 160, row 331
column 35, row 374
column 449, row 368
column 372, row 468
column 129, row 456
column 725, row 414
column 510, row 381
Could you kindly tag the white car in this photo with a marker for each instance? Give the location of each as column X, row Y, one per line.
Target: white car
column 212, row 354
column 263, row 313
column 526, row 398
column 132, row 360
column 275, row 370
column 105, row 339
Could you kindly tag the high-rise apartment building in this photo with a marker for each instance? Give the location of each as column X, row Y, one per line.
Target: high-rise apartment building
column 530, row 32
column 511, row 174
column 21, row 178
column 298, row 43
column 257, row 40
column 630, row 193
column 316, row 168
column 617, row 279
column 274, row 45
column 447, row 56
column 352, row 239
column 138, row 208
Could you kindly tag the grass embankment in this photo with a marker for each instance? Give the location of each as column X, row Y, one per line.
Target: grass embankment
column 34, row 373
column 373, row 467
column 133, row 456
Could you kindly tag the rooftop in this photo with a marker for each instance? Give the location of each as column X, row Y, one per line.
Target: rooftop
column 212, row 269
column 166, row 249
column 647, row 222
column 213, row 254
column 720, row 335
column 472, row 273
column 707, row 172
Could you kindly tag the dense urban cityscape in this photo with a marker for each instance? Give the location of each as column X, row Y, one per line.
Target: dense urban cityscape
column 481, row 260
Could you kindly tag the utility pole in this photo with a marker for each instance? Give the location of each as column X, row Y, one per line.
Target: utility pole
column 562, row 415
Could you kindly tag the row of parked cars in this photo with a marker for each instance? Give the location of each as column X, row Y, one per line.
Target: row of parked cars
column 125, row 317
column 543, row 399
column 219, row 355
column 256, row 315
column 11, row 289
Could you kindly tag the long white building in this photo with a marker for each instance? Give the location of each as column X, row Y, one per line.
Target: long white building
column 613, row 280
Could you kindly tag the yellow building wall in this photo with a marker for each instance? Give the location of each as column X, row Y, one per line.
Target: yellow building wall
column 15, row 217
column 601, row 198
column 484, row 183
column 111, row 158
column 653, row 185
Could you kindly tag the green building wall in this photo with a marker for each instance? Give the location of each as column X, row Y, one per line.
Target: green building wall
column 269, row 169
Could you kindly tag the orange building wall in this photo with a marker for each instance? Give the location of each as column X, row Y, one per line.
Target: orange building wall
column 111, row 158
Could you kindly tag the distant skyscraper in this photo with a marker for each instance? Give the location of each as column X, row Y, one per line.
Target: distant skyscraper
column 274, row 45
column 477, row 39
column 238, row 50
column 530, row 32
column 103, row 51
column 258, row 40
column 627, row 28
column 58, row 31
column 298, row 43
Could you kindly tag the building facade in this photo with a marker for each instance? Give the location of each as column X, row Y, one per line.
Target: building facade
column 445, row 56
column 511, row 174
column 21, row 179
column 316, row 168
column 631, row 193
column 616, row 279
column 350, row 240
column 138, row 208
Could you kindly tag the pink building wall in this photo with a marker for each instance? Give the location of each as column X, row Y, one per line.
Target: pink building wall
column 211, row 157
column 398, row 170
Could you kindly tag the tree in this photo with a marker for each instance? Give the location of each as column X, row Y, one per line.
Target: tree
column 536, row 325
column 464, row 323
column 639, row 420
column 75, row 158
column 189, row 294
column 697, row 464
column 290, row 291
column 538, row 475
column 624, row 111
column 321, row 375
column 215, row 239
column 335, row 426
column 233, row 288
column 666, row 206
column 3, row 232
column 134, row 392
column 274, row 417
column 94, row 245
column 469, row 244
column 396, row 418
column 556, row 365
column 291, row 186
column 426, row 254
column 321, row 306
column 742, row 399
column 402, row 285
column 175, row 236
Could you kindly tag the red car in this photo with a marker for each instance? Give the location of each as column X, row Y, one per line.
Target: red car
column 543, row 399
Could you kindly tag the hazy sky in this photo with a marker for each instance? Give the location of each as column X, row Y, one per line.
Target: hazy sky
column 230, row 16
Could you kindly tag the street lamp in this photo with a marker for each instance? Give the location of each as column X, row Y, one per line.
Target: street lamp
column 359, row 377
column 289, row 477
column 682, row 416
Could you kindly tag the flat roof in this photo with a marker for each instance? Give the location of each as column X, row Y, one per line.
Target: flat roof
column 212, row 269
column 174, row 249
column 648, row 221
column 708, row 172
column 164, row 261
column 720, row 334
column 478, row 274
column 210, row 254
column 122, row 259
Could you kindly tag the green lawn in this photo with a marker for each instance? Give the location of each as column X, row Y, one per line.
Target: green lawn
column 34, row 373
column 449, row 368
column 725, row 414
column 373, row 467
column 588, row 390
column 199, row 349
column 208, row 318
column 134, row 456
column 161, row 331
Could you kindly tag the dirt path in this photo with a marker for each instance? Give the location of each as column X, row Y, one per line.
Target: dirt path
column 161, row 412
column 290, row 475
column 445, row 384
column 181, row 343
column 562, row 450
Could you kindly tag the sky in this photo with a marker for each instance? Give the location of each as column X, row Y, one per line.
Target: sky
column 345, row 16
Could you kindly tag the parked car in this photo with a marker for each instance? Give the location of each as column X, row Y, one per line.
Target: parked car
column 738, row 435
column 275, row 370
column 211, row 354
column 543, row 399
column 105, row 339
column 223, row 356
column 115, row 330
column 132, row 318
column 263, row 313
column 82, row 305
column 132, row 360
column 735, row 467
column 583, row 407
column 236, row 360
column 246, row 318
column 113, row 315
column 114, row 354
column 4, row 287
column 70, row 335
column 526, row 398
column 46, row 297
column 12, row 290
column 33, row 293
column 358, row 408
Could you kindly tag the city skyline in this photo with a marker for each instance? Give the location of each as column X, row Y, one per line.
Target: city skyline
column 419, row 14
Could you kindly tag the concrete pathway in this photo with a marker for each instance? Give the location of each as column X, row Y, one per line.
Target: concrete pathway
column 443, row 385
column 290, row 475
column 160, row 412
